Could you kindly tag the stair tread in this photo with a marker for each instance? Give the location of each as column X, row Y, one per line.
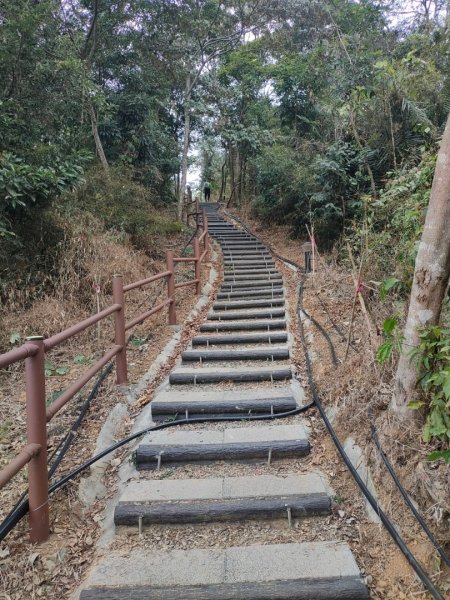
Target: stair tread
column 233, row 435
column 223, row 488
column 235, row 565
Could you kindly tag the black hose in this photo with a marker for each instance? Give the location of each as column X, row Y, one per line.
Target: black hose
column 67, row 440
column 362, row 486
column 370, row 498
column 189, row 421
column 21, row 507
column 404, row 493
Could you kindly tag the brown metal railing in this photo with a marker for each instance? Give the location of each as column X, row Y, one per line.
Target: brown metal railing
column 34, row 454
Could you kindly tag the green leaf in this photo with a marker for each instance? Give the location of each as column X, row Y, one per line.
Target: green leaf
column 137, row 342
column 389, row 325
column 437, row 454
column 415, row 404
column 62, row 370
column 48, row 368
column 14, row 338
column 387, row 285
column 80, row 359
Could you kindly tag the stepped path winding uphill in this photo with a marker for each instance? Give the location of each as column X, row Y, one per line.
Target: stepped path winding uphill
column 223, row 473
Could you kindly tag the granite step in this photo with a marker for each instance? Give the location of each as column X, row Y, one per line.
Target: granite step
column 304, row 571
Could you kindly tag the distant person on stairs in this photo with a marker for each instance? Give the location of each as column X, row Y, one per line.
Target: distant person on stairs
column 207, row 191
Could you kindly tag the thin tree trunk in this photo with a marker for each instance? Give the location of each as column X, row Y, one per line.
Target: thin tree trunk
column 240, row 187
column 431, row 276
column 392, row 135
column 97, row 140
column 184, row 158
column 232, row 178
column 223, row 181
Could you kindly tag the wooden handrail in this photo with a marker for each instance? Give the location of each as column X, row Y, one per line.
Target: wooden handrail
column 33, row 353
column 18, row 462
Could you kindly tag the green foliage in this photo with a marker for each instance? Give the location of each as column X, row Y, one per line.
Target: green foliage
column 395, row 221
column 14, row 338
column 125, row 206
column 393, row 340
column 386, row 286
column 432, row 357
column 80, row 359
column 282, row 182
column 23, row 185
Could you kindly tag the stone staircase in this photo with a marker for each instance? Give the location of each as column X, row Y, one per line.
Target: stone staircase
column 238, row 365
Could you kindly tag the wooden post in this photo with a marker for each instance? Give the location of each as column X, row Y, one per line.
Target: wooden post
column 198, row 266
column 37, row 434
column 171, row 287
column 119, row 329
column 205, row 228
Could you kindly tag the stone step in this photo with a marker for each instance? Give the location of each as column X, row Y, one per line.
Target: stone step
column 244, row 252
column 246, row 271
column 211, row 375
column 257, row 314
column 247, row 260
column 250, row 264
column 222, row 499
column 249, row 286
column 270, row 354
column 239, row 245
column 259, row 338
column 250, row 294
column 201, row 402
column 234, row 238
column 230, row 257
column 305, row 571
column 173, row 448
column 262, row 325
column 233, row 277
column 265, row 303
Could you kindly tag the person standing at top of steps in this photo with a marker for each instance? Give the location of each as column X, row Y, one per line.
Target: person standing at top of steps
column 207, row 191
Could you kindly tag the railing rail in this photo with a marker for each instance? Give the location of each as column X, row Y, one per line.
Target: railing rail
column 34, row 453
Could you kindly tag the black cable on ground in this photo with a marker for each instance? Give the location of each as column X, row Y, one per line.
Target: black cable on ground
column 20, row 511
column 21, row 507
column 67, row 440
column 421, row 573
column 424, row 577
column 404, row 493
column 189, row 421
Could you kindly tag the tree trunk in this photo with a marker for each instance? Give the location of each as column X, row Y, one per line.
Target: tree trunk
column 184, row 158
column 97, row 140
column 431, row 275
column 232, row 177
column 223, row 181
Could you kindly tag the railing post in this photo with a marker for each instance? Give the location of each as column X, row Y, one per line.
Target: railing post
column 198, row 266
column 119, row 330
column 205, row 228
column 37, row 434
column 171, row 287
